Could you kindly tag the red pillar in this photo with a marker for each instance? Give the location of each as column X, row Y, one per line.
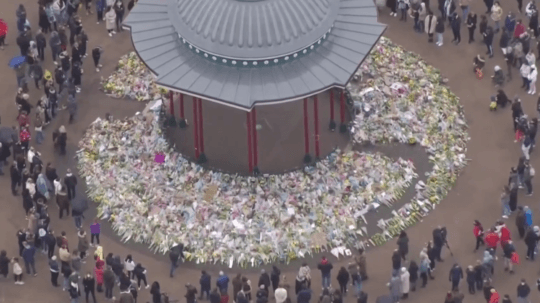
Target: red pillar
column 332, row 124
column 316, row 118
column 249, row 143
column 307, row 157
column 255, row 139
column 195, row 129
column 342, row 127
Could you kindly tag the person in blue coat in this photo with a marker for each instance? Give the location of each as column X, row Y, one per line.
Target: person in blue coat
column 100, row 7
column 304, row 296
column 28, row 257
column 528, row 216
column 222, row 282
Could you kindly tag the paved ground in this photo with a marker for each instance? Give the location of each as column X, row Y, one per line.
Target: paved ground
column 476, row 195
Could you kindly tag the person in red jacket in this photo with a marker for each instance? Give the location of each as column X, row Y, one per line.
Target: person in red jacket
column 492, row 239
column 98, row 272
column 495, row 297
column 520, row 29
column 504, row 233
column 478, row 232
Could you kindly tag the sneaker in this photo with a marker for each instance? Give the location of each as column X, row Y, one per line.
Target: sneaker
column 529, row 194
column 21, row 283
column 147, row 286
column 113, row 32
column 55, row 63
column 97, row 22
column 99, row 65
column 110, row 34
column 97, row 70
column 505, row 217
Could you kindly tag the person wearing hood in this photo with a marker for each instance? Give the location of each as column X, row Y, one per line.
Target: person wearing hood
column 109, row 281
column 424, row 267
column 343, row 279
column 175, row 254
column 24, row 44
column 55, row 271
column 281, row 294
column 129, row 265
column 523, row 291
column 439, row 30
column 396, row 261
column 325, row 267
column 261, row 295
column 405, row 283
column 304, row 295
column 455, row 24
column 508, row 251
column 395, row 288
column 403, row 245
column 110, row 21
column 498, row 76
column 215, row 296
column 74, row 292
column 274, row 277
column 98, row 273
column 488, row 263
column 455, row 276
column 531, row 240
column 471, row 25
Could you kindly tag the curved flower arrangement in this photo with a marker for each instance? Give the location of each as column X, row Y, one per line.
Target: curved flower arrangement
column 254, row 220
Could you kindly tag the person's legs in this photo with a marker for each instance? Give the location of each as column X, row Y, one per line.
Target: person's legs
column 472, row 290
column 528, row 185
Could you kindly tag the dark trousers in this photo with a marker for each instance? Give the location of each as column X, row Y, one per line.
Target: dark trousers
column 14, row 184
column 521, row 231
column 430, row 37
column 99, row 16
column 70, row 189
column 489, row 49
column 457, row 35
column 528, row 185
column 471, row 34
column 455, row 284
column 472, row 289
column 108, row 291
column 54, row 279
column 41, row 53
column 141, row 278
column 92, row 236
column 479, row 284
column 205, row 290
column 479, row 240
column 424, row 279
column 50, row 251
column 343, row 288
column 530, row 252
column 403, row 15
column 62, row 211
column 96, row 61
column 90, row 292
column 437, row 251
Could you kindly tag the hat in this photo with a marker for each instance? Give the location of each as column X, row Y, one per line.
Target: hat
column 536, row 229
column 493, row 290
column 53, row 258
column 262, row 286
column 263, row 271
column 221, row 273
column 25, row 96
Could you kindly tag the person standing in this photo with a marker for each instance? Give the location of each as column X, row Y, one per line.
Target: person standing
column 61, row 140
column 41, row 43
column 274, row 277
column 478, row 232
column 325, row 267
column 488, row 40
column 455, row 24
column 15, row 176
column 528, row 175
column 438, row 242
column 109, row 281
column 55, row 271
column 479, row 275
column 424, row 268
column 531, row 240
column 405, row 283
column 471, row 25
column 89, row 284
column 396, row 261
column 403, row 245
column 17, row 271
column 28, row 255
column 523, row 291
column 98, row 273
column 508, row 250
column 222, row 282
column 343, row 279
column 456, row 274
column 206, row 283
column 129, row 265
column 264, row 279
column 119, row 10
column 431, row 24
column 471, row 279
column 395, row 288
column 413, row 275
column 360, row 260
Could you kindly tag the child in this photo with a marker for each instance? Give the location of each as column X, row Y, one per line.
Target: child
column 479, row 62
column 17, row 271
column 493, row 104
column 96, row 55
column 94, row 231
column 498, row 77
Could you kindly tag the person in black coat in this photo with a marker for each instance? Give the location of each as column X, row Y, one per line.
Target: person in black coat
column 456, row 274
column 455, row 23
column 274, row 277
column 89, row 286
column 413, row 275
column 439, row 30
column 76, row 73
column 488, row 40
column 501, row 98
column 15, row 175
column 41, row 43
column 140, row 273
column 471, row 279
column 75, row 54
column 438, row 242
column 343, row 279
column 83, row 42
column 396, row 261
column 531, row 239
column 264, row 279
column 119, row 9
column 206, row 283
column 471, row 25
column 4, row 264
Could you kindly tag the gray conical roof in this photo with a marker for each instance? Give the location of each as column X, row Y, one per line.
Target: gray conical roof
column 241, row 52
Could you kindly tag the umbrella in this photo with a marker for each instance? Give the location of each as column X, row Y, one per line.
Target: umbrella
column 8, row 134
column 3, row 28
column 16, row 61
column 80, row 204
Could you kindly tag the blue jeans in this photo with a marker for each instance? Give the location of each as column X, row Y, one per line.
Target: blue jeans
column 39, row 137
column 20, row 81
column 75, row 300
column 78, row 221
column 465, row 10
column 65, row 282
column 30, row 264
column 326, row 280
column 439, row 38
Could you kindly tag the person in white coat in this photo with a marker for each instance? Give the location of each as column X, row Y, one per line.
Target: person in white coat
column 31, row 186
column 532, row 80
column 405, row 283
column 57, row 185
column 130, row 266
column 110, row 21
column 280, row 294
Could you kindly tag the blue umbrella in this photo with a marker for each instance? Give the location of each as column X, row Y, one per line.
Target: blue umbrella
column 16, row 61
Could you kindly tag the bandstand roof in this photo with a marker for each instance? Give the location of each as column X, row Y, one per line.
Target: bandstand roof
column 247, row 52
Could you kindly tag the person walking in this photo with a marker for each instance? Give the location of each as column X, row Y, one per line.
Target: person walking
column 264, row 279
column 403, row 245
column 508, row 250
column 206, row 283
column 360, row 260
column 89, row 284
column 479, row 275
column 456, row 274
column 71, row 182
column 83, row 244
column 405, row 283
column 325, row 267
column 61, row 141
column 17, row 271
column 176, row 252
column 478, row 232
column 140, row 273
column 471, row 25
column 533, row 74
column 471, row 279
column 303, row 278
column 438, row 242
column 41, row 43
column 62, row 201
column 110, row 21
column 343, row 279
column 528, row 175
column 396, row 261
column 488, row 40
column 119, row 10
column 28, row 255
column 531, row 240
column 523, row 291
column 96, row 55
